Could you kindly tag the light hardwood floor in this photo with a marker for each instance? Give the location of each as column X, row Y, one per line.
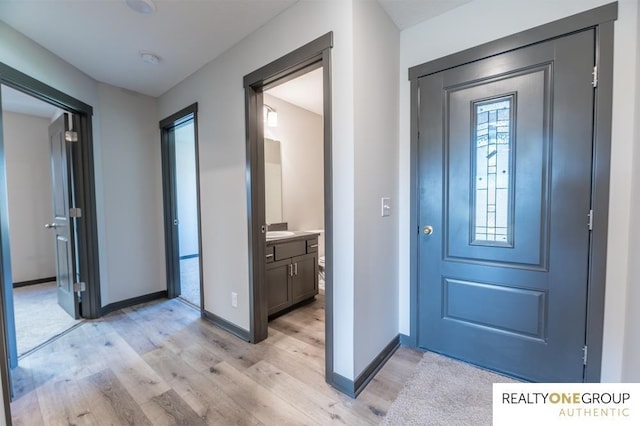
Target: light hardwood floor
column 161, row 364
column 38, row 316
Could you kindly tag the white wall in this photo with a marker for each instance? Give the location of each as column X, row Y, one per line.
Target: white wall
column 376, row 55
column 485, row 20
column 631, row 360
column 28, row 159
column 218, row 89
column 300, row 134
column 133, row 212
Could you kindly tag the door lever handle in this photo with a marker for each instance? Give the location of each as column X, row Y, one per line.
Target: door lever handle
column 50, row 225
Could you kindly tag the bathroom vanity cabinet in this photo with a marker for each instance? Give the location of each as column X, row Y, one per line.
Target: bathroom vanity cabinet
column 291, row 271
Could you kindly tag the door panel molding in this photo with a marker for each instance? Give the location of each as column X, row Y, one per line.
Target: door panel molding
column 601, row 20
column 460, row 296
column 459, row 246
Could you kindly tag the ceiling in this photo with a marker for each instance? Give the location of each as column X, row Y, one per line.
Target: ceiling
column 304, row 91
column 105, row 38
column 406, row 13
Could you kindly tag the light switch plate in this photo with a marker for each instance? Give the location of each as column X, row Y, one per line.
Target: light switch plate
column 385, row 206
column 234, row 299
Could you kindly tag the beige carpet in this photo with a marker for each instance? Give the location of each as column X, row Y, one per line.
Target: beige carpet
column 447, row 392
column 38, row 316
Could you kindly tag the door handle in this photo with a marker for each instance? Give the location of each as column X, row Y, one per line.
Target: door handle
column 427, row 230
column 290, row 270
column 295, row 269
column 50, row 225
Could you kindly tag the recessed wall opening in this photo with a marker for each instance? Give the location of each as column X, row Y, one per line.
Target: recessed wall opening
column 28, row 158
column 294, row 206
column 181, row 206
column 48, row 231
column 289, row 191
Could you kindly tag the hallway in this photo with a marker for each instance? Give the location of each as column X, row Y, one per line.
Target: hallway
column 160, row 363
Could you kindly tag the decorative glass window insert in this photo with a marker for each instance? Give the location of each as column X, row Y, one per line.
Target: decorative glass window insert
column 493, row 129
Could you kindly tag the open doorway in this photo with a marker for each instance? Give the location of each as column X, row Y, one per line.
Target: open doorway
column 39, row 316
column 294, row 206
column 315, row 55
column 75, row 227
column 181, row 206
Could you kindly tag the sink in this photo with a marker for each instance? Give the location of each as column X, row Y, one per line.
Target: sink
column 278, row 234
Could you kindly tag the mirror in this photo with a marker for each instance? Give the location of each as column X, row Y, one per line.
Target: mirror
column 273, row 181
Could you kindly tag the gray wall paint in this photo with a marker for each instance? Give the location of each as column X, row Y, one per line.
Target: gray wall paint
column 376, row 54
column 28, row 159
column 132, row 195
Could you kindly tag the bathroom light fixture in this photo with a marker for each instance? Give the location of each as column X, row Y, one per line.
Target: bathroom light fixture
column 146, row 7
column 149, row 58
column 270, row 116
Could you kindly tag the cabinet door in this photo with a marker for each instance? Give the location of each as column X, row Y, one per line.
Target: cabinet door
column 278, row 286
column 305, row 278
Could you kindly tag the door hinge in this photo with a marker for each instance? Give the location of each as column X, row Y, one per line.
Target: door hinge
column 584, row 354
column 590, row 222
column 79, row 286
column 71, row 136
column 75, row 212
column 594, row 80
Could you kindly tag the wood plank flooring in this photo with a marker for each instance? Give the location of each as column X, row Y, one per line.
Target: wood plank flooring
column 161, row 364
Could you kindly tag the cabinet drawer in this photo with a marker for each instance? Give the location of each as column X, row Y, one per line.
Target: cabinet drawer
column 291, row 249
column 269, row 257
column 312, row 245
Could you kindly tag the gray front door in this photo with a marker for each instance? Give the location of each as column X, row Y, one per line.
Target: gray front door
column 504, row 181
column 62, row 225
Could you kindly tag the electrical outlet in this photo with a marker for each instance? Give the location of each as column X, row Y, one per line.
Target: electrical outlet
column 234, row 299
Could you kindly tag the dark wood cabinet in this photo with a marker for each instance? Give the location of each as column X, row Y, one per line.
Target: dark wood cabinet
column 278, row 286
column 291, row 273
column 305, row 277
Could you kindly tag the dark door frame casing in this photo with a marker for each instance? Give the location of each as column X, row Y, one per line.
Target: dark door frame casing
column 601, row 20
column 84, row 183
column 172, row 251
column 302, row 60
